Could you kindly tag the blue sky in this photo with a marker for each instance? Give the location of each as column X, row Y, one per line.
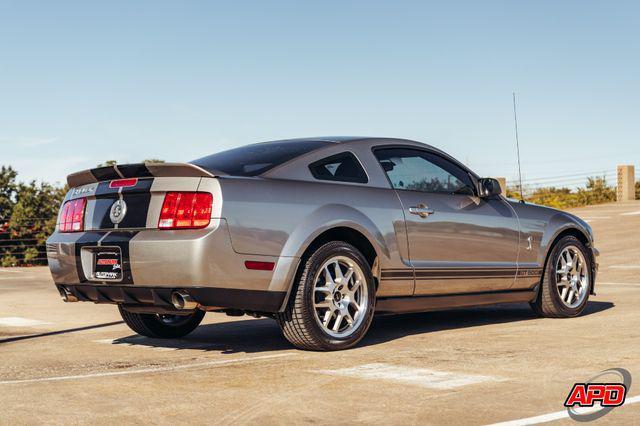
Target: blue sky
column 82, row 82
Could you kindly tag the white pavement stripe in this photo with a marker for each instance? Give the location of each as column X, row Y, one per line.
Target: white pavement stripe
column 624, row 267
column 594, row 217
column 608, row 283
column 631, row 213
column 11, row 271
column 545, row 418
column 218, row 363
column 20, row 322
column 426, row 378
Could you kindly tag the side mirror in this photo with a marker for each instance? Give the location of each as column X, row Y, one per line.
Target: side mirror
column 488, row 187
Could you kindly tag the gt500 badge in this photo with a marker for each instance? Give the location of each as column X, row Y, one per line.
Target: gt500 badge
column 118, row 211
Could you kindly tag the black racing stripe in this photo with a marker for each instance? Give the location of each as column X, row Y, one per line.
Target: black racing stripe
column 396, row 274
column 103, row 189
column 471, row 277
column 105, row 173
column 142, row 186
column 134, row 170
column 465, row 273
column 101, row 209
column 89, row 238
column 396, row 278
column 137, row 198
column 137, row 209
column 122, row 239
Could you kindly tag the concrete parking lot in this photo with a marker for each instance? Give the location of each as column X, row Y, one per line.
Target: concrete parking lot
column 78, row 363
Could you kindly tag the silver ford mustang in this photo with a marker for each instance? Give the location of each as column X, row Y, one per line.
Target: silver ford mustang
column 317, row 233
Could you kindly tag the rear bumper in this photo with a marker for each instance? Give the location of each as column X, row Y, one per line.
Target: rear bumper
column 159, row 298
column 198, row 259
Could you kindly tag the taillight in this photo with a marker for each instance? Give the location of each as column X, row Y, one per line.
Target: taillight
column 72, row 218
column 182, row 210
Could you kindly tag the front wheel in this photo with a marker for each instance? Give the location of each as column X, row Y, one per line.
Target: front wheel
column 566, row 284
column 332, row 303
column 161, row 326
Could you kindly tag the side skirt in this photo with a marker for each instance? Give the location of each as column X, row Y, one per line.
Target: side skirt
column 409, row 304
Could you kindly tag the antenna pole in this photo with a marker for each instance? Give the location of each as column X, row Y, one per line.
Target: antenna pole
column 515, row 119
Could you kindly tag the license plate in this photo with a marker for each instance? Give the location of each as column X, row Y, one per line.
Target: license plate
column 108, row 265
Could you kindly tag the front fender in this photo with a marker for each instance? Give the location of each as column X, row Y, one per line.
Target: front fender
column 561, row 223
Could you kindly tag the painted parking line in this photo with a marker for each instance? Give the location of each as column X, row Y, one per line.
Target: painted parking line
column 624, row 267
column 11, row 271
column 558, row 415
column 625, row 284
column 20, row 322
column 212, row 364
column 594, row 217
column 631, row 213
column 431, row 379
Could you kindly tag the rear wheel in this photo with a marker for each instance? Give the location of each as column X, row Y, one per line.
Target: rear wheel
column 332, row 303
column 567, row 280
column 161, row 326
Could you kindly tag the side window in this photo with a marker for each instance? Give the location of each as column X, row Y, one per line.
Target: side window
column 343, row 167
column 417, row 170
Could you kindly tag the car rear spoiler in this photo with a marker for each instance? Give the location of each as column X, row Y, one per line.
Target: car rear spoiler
column 138, row 170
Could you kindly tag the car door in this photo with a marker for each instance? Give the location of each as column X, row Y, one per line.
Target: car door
column 458, row 242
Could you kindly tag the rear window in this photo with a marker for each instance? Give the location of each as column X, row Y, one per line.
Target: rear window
column 253, row 160
column 343, row 167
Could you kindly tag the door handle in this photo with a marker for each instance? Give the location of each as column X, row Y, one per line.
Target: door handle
column 421, row 210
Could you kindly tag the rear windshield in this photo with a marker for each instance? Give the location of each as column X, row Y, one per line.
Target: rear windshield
column 253, row 160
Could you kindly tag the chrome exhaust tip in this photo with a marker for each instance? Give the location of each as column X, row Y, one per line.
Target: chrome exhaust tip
column 183, row 301
column 67, row 296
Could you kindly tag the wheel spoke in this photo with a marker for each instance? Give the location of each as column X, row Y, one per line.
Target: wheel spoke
column 336, row 325
column 348, row 318
column 356, row 285
column 348, row 275
column 328, row 278
column 565, row 290
column 327, row 317
column 338, row 272
column 570, row 296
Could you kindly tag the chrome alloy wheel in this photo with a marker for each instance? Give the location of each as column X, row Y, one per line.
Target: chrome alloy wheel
column 572, row 277
column 340, row 296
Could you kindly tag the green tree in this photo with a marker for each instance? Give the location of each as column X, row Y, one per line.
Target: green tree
column 8, row 189
column 32, row 220
column 638, row 190
column 108, row 163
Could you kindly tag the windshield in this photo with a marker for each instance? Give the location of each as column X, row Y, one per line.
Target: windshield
column 253, row 160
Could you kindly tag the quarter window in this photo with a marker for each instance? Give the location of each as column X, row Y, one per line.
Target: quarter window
column 343, row 167
column 416, row 170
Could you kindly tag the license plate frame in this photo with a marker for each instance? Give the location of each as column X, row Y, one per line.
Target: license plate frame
column 107, row 264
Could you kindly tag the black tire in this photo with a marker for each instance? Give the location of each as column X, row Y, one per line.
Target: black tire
column 298, row 322
column 161, row 326
column 548, row 303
